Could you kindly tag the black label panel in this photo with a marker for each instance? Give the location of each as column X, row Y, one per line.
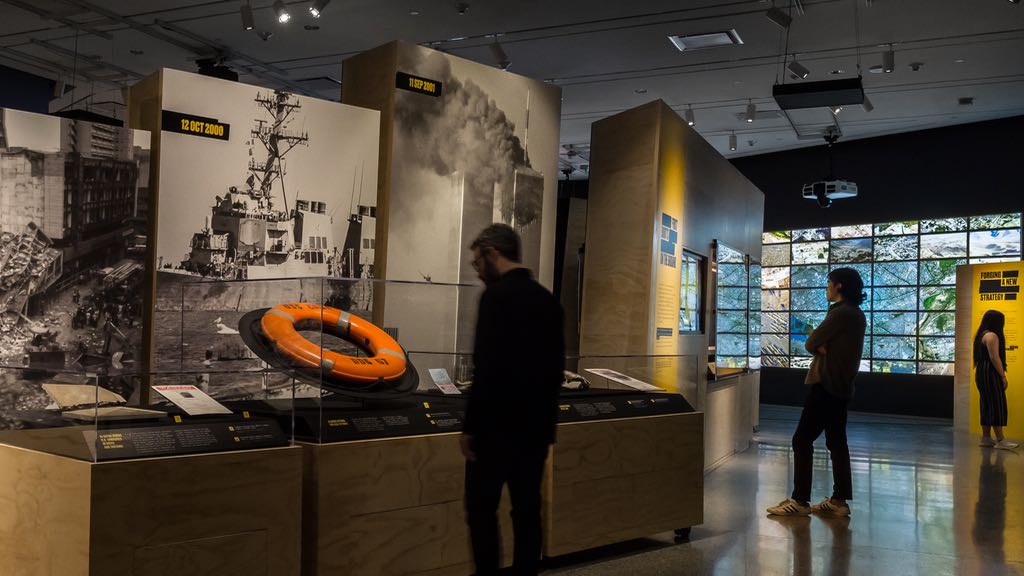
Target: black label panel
column 417, row 84
column 168, row 440
column 195, row 125
column 604, row 405
column 420, row 414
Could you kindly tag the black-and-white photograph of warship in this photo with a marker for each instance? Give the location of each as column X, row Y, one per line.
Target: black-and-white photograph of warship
column 261, row 230
column 282, row 211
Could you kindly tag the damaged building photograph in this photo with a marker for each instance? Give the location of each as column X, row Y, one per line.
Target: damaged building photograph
column 72, row 250
column 481, row 149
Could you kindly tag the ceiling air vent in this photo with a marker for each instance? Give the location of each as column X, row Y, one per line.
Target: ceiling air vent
column 702, row 41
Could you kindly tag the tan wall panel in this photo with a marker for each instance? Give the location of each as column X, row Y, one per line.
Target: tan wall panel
column 388, row 507
column 368, row 81
column 145, row 104
column 187, row 503
column 236, row 555
column 44, row 514
column 620, row 234
column 614, row 480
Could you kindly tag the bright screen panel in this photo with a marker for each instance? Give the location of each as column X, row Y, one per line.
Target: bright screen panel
column 909, row 272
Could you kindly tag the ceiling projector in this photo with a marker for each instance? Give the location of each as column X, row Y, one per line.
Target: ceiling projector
column 826, row 191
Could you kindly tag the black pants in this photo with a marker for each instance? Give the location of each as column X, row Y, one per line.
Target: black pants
column 522, row 467
column 822, row 412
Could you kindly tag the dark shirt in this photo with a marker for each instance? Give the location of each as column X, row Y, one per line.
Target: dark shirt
column 842, row 334
column 518, row 358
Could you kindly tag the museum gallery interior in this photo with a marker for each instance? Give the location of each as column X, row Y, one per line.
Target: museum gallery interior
column 241, row 275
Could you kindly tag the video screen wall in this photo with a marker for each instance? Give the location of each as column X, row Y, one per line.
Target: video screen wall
column 909, row 272
column 737, row 311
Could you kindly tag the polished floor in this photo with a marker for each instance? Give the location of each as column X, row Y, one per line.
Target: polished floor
column 927, row 501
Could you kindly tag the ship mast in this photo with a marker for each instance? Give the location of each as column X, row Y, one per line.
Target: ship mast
column 277, row 140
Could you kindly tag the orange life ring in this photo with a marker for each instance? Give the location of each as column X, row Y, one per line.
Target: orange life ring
column 387, row 360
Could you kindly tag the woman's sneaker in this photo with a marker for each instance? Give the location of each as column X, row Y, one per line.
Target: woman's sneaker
column 987, row 442
column 1006, row 445
column 790, row 507
column 830, row 508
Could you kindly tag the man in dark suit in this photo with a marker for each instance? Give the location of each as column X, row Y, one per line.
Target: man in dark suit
column 518, row 358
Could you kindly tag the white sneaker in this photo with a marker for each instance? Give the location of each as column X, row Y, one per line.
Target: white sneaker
column 829, row 508
column 987, row 442
column 1006, row 445
column 789, row 507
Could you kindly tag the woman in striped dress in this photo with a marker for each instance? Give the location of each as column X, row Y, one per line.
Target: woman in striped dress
column 990, row 377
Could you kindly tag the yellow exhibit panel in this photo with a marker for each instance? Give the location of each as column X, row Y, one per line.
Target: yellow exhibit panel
column 997, row 287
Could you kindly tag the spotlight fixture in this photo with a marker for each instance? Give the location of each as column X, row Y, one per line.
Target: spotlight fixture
column 688, row 115
column 248, row 22
column 779, row 17
column 751, row 112
column 316, row 7
column 888, row 60
column 836, row 110
column 500, row 57
column 732, row 142
column 868, row 106
column 283, row 15
column 799, row 69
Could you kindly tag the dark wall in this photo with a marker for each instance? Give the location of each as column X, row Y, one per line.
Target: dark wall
column 956, row 171
column 907, row 394
column 24, row 91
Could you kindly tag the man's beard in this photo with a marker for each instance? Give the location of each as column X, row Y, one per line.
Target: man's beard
column 489, row 273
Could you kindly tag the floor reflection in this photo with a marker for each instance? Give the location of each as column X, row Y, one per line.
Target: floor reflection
column 926, row 501
column 989, row 528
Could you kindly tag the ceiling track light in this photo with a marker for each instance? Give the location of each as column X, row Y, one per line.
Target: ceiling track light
column 688, row 115
column 732, row 142
column 316, row 7
column 751, row 112
column 888, row 60
column 500, row 57
column 283, row 15
column 248, row 22
column 779, row 17
column 798, row 69
column 836, row 110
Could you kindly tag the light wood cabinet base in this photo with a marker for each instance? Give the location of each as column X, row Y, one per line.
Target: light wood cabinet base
column 226, row 514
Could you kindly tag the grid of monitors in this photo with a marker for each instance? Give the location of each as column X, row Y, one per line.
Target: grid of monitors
column 732, row 309
column 909, row 272
column 754, row 317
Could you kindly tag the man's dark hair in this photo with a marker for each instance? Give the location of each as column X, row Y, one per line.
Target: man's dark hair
column 851, row 286
column 502, row 238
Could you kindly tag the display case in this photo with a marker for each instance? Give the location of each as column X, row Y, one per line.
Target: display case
column 91, row 394
column 357, row 359
column 108, row 468
column 368, row 379
column 363, row 358
column 629, row 457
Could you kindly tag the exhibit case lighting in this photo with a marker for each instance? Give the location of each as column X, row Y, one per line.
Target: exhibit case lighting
column 909, row 272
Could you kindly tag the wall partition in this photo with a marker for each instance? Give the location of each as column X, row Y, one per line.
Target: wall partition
column 909, row 272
